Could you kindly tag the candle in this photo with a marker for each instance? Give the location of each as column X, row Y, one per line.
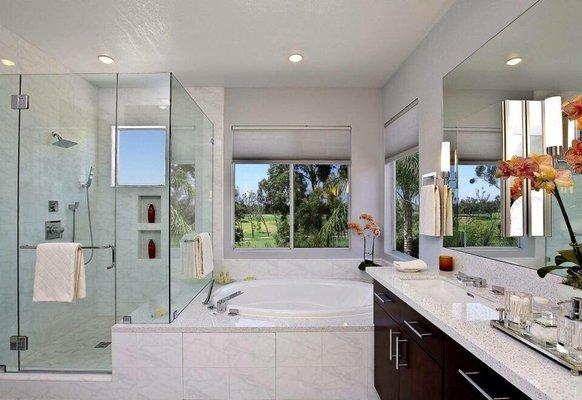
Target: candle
column 445, row 263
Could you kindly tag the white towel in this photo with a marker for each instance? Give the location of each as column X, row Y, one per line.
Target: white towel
column 187, row 255
column 447, row 211
column 59, row 273
column 203, row 257
column 430, row 211
column 414, row 265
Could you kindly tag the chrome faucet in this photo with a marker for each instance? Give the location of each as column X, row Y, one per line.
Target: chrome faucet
column 474, row 280
column 222, row 303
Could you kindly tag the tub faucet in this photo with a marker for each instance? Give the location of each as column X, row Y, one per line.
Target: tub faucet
column 474, row 280
column 222, row 303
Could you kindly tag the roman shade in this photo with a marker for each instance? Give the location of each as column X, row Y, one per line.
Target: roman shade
column 291, row 143
column 401, row 132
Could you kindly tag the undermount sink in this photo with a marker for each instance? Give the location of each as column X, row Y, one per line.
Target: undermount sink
column 464, row 304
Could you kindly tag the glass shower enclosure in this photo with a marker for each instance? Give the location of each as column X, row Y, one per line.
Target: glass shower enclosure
column 120, row 163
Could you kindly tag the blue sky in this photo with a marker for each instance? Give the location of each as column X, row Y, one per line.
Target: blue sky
column 467, row 189
column 248, row 176
column 142, row 157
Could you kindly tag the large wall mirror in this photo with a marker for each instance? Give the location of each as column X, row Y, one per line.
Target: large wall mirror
column 506, row 100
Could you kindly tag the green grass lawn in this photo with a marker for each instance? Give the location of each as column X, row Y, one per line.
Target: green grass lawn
column 261, row 237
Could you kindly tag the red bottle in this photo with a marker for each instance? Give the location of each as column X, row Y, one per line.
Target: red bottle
column 151, row 214
column 151, row 249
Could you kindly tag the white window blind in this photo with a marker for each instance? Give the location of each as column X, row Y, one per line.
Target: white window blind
column 291, row 143
column 401, row 132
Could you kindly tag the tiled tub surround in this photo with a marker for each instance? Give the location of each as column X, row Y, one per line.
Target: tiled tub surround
column 205, row 356
column 531, row 372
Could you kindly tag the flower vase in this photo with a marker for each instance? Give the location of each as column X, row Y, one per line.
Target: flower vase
column 369, row 239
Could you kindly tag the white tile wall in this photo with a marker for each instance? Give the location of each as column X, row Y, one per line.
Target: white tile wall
column 228, row 366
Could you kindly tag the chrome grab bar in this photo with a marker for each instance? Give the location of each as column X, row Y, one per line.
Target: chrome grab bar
column 106, row 246
column 417, row 333
column 383, row 300
column 467, row 376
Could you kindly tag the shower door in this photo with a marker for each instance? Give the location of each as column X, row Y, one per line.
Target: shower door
column 65, row 196
column 9, row 85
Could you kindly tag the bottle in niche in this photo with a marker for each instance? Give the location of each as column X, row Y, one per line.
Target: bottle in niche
column 151, row 249
column 151, row 214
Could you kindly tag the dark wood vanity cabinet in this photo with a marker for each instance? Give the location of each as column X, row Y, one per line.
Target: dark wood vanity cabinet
column 413, row 359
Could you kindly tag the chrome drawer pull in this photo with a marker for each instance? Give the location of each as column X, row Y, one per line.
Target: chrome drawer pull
column 383, row 299
column 391, row 332
column 417, row 333
column 397, row 355
column 467, row 376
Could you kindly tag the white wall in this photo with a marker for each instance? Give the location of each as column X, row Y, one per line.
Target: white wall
column 463, row 29
column 360, row 108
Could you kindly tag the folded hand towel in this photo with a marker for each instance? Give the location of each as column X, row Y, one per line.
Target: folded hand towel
column 430, row 211
column 204, row 259
column 447, row 211
column 414, row 265
column 59, row 273
column 187, row 256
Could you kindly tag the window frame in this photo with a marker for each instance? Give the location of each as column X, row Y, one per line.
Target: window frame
column 507, row 251
column 291, row 164
column 390, row 206
column 114, row 170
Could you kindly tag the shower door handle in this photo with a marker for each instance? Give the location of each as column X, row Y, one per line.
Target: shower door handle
column 112, row 265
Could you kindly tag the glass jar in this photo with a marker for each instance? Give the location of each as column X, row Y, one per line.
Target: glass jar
column 518, row 310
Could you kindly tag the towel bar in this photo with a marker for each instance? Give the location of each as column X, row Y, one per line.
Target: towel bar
column 107, row 246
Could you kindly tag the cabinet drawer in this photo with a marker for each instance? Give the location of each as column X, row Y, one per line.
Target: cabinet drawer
column 428, row 336
column 388, row 301
column 466, row 377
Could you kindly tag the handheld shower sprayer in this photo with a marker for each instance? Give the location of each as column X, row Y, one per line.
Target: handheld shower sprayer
column 89, row 180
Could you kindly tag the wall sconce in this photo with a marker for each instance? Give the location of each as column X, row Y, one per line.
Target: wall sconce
column 553, row 127
column 445, row 161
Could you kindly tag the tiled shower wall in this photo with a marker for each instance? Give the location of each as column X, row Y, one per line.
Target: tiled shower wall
column 67, row 105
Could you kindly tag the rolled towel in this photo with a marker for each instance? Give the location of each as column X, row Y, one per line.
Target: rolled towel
column 410, row 266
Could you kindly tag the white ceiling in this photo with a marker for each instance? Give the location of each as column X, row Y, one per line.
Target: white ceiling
column 232, row 43
column 547, row 37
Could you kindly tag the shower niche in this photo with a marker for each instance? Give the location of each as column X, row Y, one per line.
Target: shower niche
column 108, row 144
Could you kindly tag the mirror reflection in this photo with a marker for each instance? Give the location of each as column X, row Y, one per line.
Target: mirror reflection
column 506, row 100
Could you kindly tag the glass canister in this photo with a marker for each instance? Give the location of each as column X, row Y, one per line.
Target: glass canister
column 518, row 310
column 570, row 327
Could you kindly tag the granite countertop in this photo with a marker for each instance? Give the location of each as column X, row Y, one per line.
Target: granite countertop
column 535, row 375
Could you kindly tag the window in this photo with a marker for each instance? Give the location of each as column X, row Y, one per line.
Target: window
column 141, row 156
column 266, row 210
column 321, row 205
column 261, row 205
column 478, row 214
column 406, row 204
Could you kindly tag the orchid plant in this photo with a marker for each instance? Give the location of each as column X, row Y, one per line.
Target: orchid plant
column 369, row 230
column 540, row 172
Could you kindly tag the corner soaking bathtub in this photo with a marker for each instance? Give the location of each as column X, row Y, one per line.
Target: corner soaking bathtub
column 291, row 298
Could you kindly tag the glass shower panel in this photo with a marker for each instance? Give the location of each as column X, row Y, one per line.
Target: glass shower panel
column 63, row 198
column 190, row 195
column 9, row 85
column 138, row 151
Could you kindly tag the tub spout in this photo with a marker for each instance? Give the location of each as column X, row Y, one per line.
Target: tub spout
column 222, row 303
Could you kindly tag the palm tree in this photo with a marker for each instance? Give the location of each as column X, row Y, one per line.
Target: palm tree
column 407, row 191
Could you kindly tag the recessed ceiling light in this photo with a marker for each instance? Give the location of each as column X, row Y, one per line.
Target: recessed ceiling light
column 295, row 58
column 163, row 107
column 105, row 59
column 514, row 61
column 7, row 62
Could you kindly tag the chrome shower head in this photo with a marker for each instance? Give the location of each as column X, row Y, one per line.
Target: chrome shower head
column 64, row 143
